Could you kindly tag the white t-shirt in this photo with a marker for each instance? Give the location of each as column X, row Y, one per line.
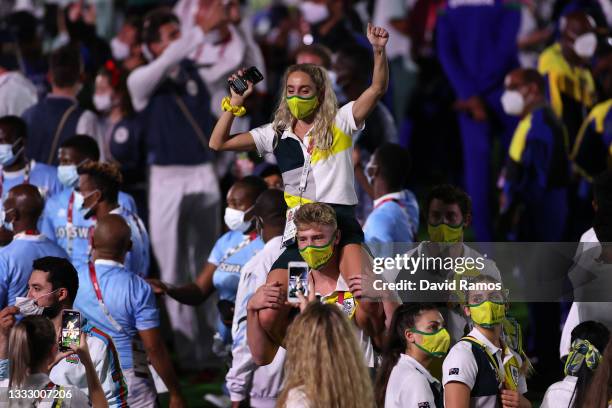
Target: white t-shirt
column 560, row 394
column 17, row 94
column 460, row 366
column 409, row 385
column 582, row 312
column 331, row 178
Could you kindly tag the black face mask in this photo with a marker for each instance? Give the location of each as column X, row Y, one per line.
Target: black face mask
column 52, row 311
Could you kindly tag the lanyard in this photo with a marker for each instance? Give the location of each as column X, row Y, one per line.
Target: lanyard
column 31, row 232
column 69, row 224
column 247, row 240
column 306, row 168
column 96, row 286
column 26, row 178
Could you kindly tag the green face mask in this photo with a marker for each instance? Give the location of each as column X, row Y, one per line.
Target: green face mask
column 317, row 256
column 435, row 344
column 302, row 107
column 488, row 314
column 445, row 233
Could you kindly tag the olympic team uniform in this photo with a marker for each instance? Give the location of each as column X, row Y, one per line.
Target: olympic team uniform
column 63, row 223
column 230, row 253
column 38, row 174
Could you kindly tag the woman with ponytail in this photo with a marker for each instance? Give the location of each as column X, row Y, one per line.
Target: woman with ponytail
column 33, row 351
column 588, row 341
column 599, row 393
column 416, row 336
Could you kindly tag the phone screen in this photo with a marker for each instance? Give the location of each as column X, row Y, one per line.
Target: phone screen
column 298, row 281
column 71, row 329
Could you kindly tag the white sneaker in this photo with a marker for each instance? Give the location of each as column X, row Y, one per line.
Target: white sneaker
column 221, row 401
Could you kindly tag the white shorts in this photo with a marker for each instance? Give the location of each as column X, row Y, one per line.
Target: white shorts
column 141, row 391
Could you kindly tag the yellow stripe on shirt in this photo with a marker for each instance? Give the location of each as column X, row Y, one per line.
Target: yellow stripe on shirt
column 519, row 139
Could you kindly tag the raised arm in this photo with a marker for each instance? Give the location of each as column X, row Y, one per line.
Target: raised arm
column 143, row 80
column 220, row 138
column 366, row 102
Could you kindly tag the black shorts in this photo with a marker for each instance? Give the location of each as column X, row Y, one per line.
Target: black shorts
column 350, row 233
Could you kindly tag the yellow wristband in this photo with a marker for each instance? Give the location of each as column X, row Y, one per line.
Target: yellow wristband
column 235, row 110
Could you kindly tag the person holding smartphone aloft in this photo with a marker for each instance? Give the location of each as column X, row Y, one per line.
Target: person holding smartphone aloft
column 312, row 142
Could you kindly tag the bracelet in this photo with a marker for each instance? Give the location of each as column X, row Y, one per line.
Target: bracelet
column 235, row 110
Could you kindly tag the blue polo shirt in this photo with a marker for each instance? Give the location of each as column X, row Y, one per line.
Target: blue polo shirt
column 129, row 299
column 227, row 275
column 40, row 175
column 137, row 260
column 73, row 240
column 395, row 218
column 16, row 261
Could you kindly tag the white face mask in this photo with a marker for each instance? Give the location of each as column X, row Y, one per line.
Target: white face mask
column 314, row 13
column 234, row 219
column 7, row 225
column 513, row 103
column 102, row 102
column 119, row 49
column 368, row 170
column 585, row 45
column 7, row 157
column 30, row 307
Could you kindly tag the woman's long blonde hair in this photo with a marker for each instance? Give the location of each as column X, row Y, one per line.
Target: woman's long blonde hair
column 325, row 362
column 30, row 344
column 326, row 112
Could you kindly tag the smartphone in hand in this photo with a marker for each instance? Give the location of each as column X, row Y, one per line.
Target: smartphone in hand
column 71, row 329
column 298, row 280
column 239, row 85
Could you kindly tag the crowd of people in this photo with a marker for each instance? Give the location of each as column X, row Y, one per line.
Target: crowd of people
column 166, row 208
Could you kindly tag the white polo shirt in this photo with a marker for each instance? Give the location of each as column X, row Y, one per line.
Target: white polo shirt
column 409, row 385
column 460, row 366
column 331, row 178
column 560, row 394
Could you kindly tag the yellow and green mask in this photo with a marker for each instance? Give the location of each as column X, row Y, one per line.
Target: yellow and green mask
column 317, row 256
column 435, row 344
column 488, row 313
column 445, row 233
column 300, row 107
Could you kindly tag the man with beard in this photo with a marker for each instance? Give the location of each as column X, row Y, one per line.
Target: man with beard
column 53, row 287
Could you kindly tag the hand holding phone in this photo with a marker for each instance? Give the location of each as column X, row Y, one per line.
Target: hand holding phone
column 238, row 83
column 71, row 330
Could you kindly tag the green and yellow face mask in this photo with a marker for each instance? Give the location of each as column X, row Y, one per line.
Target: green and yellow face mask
column 435, row 344
column 488, row 313
column 300, row 107
column 318, row 256
column 445, row 233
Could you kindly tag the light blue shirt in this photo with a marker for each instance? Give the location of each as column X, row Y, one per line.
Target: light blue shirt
column 130, row 302
column 227, row 275
column 75, row 240
column 137, row 260
column 40, row 175
column 395, row 218
column 16, row 261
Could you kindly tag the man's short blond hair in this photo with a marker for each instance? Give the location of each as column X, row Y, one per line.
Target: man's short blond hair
column 315, row 214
